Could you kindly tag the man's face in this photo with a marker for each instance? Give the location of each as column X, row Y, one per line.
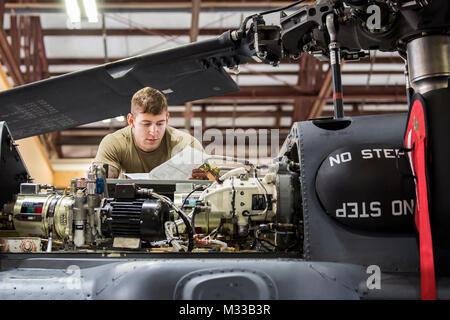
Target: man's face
column 148, row 129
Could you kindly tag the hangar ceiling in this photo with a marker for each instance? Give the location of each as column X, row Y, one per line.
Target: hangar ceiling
column 38, row 41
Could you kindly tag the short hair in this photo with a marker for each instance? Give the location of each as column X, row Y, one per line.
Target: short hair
column 148, row 100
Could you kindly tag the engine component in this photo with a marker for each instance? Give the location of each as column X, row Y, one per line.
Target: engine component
column 289, row 219
column 205, row 222
column 20, row 245
column 242, row 199
column 429, row 74
column 37, row 215
column 141, row 218
column 28, row 245
column 70, row 217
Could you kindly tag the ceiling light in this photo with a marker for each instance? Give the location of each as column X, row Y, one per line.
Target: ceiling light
column 91, row 10
column 73, row 11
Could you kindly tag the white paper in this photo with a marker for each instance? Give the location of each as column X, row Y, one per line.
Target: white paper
column 179, row 167
column 137, row 176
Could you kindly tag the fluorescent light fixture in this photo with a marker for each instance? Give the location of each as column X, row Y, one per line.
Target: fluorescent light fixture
column 120, row 118
column 91, row 10
column 73, row 11
column 106, row 121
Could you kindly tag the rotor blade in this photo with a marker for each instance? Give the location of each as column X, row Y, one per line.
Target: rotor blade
column 183, row 74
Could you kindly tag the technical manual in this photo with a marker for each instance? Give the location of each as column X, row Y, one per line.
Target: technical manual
column 179, row 167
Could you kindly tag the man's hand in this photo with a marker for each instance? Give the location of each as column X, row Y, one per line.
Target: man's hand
column 199, row 174
column 113, row 172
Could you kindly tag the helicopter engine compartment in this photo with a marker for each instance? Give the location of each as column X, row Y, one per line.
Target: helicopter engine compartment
column 237, row 212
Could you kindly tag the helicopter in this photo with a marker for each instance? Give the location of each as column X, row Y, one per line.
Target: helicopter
column 352, row 207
